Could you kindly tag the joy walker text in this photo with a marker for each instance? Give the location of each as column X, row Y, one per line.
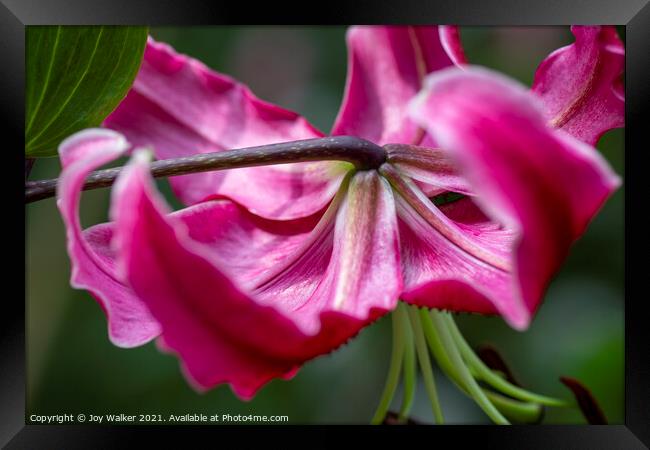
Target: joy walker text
column 157, row 418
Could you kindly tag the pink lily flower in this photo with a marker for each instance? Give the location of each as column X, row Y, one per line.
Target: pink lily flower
column 272, row 266
column 589, row 99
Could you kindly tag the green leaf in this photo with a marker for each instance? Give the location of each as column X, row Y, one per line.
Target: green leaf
column 75, row 77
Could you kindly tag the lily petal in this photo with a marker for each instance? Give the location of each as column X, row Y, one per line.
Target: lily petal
column 432, row 168
column 386, row 65
column 440, row 274
column 451, row 42
column 454, row 257
column 92, row 260
column 236, row 325
column 247, row 246
column 180, row 107
column 581, row 84
column 541, row 183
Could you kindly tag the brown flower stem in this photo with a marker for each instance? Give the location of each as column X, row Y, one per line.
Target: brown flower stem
column 361, row 153
column 29, row 163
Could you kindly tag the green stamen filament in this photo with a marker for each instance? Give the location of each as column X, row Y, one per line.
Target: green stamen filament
column 396, row 359
column 410, row 378
column 425, row 365
column 486, row 374
column 418, row 331
column 463, row 372
column 515, row 410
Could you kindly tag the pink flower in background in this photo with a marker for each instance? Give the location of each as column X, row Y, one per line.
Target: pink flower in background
column 581, row 85
column 271, row 266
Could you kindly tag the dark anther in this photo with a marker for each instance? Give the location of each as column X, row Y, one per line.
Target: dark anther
column 493, row 359
column 392, row 418
column 586, row 401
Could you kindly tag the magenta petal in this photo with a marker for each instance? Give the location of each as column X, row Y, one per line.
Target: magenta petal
column 247, row 246
column 92, row 260
column 454, row 257
column 539, row 182
column 180, row 107
column 432, row 168
column 451, row 42
column 353, row 257
column 580, row 84
column 439, row 274
column 386, row 66
column 232, row 323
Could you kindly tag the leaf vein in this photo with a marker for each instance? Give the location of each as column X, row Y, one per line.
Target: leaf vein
column 47, row 81
column 62, row 107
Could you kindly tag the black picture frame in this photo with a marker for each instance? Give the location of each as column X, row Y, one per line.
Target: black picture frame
column 633, row 14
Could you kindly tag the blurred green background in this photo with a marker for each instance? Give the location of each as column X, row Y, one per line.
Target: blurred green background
column 579, row 331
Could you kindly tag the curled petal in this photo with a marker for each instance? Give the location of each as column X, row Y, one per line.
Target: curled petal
column 539, row 182
column 581, row 84
column 386, row 65
column 180, row 107
column 450, row 40
column 92, row 259
column 285, row 300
